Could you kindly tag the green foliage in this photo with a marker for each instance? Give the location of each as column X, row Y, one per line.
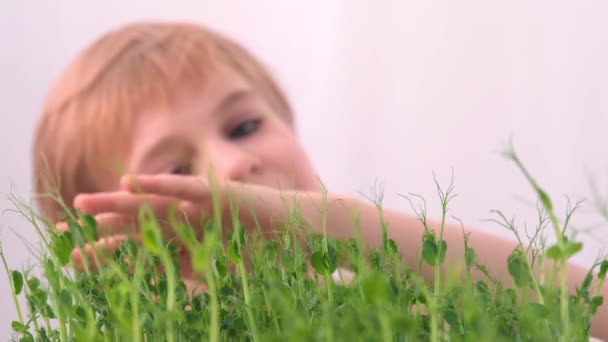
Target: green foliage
column 263, row 289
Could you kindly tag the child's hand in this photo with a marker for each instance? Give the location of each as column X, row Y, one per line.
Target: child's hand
column 116, row 212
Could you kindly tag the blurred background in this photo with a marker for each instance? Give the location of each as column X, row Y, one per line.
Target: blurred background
column 385, row 92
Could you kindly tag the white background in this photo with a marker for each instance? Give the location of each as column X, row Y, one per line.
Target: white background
column 389, row 90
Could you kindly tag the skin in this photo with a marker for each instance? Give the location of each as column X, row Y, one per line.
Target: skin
column 257, row 158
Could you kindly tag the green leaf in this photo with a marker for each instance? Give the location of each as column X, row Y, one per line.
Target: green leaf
column 33, row 283
column 392, row 246
column 451, row 316
column 65, row 298
column 219, row 264
column 318, row 262
column 353, row 247
column 80, row 314
column 183, row 231
column 596, row 302
column 17, row 281
column 603, row 270
column 287, row 259
column 375, row 288
column 587, row 281
column 61, row 246
column 78, row 239
column 46, row 311
column 518, row 268
column 150, row 231
column 233, row 252
column 482, row 288
column 236, row 245
column 90, row 228
column 27, row 337
column 199, row 302
column 470, row 257
column 512, row 295
column 286, row 236
column 200, row 258
column 573, row 248
column 39, row 296
column 554, row 252
column 538, row 310
column 18, row 327
column 442, row 249
column 544, row 198
column 331, row 258
column 186, row 235
column 42, row 336
column 429, row 250
column 150, row 238
column 209, row 227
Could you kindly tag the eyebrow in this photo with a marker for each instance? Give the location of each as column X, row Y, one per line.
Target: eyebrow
column 232, row 98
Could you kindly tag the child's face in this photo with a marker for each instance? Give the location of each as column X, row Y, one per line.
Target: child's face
column 226, row 126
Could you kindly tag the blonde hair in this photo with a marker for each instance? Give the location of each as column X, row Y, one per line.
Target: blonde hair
column 86, row 121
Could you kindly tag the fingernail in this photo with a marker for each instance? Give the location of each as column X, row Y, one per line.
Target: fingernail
column 77, row 200
column 62, row 226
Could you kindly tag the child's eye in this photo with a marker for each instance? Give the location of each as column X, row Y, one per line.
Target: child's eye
column 244, row 129
column 181, row 169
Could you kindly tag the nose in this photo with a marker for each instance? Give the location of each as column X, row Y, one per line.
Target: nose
column 229, row 161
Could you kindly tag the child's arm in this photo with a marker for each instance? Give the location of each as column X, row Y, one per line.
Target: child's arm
column 271, row 205
column 407, row 232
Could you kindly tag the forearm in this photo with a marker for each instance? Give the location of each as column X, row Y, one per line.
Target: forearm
column 407, row 232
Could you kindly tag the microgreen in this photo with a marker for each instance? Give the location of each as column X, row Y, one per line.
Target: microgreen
column 281, row 285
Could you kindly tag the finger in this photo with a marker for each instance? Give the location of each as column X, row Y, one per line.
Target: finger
column 190, row 188
column 62, row 226
column 107, row 224
column 115, row 224
column 98, row 253
column 121, row 202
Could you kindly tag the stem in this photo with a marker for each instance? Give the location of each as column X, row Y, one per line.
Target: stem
column 564, row 277
column 297, row 259
column 539, row 294
column 47, row 324
column 328, row 323
column 564, row 301
column 215, row 307
column 135, row 298
column 383, row 226
column 421, row 284
column 62, row 329
column 386, row 328
column 254, row 329
column 543, row 270
column 234, row 209
column 437, row 283
column 270, row 311
column 211, row 243
column 560, row 241
column 596, row 292
column 434, row 323
column 70, row 329
column 328, row 278
column 33, row 318
column 14, row 295
column 171, row 284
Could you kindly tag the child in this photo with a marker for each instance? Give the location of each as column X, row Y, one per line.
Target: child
column 141, row 116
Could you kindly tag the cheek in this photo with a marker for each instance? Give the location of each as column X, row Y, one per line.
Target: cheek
column 287, row 157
